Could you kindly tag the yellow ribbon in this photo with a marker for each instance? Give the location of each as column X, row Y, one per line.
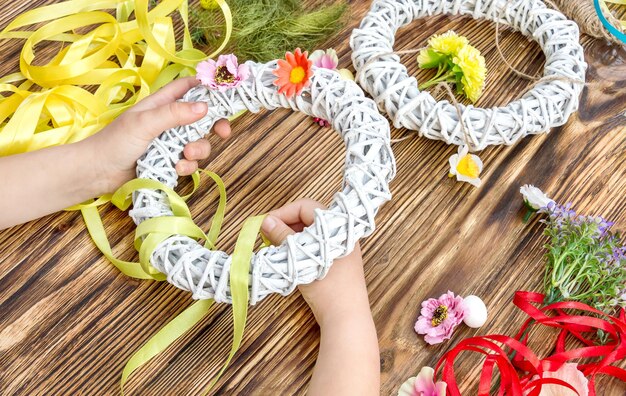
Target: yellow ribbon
column 125, row 59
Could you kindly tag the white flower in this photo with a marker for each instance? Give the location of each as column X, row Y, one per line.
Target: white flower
column 466, row 167
column 423, row 385
column 534, row 197
column 328, row 60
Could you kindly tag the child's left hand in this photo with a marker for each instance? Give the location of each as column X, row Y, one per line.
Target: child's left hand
column 117, row 147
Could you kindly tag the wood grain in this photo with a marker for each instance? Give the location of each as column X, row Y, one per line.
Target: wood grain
column 69, row 320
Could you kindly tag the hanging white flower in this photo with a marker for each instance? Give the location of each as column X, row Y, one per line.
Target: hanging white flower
column 534, row 198
column 466, row 167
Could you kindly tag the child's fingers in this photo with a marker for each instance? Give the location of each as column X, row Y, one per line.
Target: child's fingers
column 198, row 150
column 275, row 229
column 154, row 121
column 169, row 93
column 297, row 227
column 300, row 211
column 222, row 128
column 185, row 167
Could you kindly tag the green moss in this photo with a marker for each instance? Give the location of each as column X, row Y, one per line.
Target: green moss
column 265, row 29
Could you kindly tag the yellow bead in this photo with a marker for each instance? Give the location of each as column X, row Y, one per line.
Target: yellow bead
column 209, row 4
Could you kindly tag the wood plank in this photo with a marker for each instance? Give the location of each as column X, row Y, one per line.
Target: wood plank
column 69, row 320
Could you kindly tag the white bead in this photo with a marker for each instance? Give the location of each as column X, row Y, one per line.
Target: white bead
column 476, row 312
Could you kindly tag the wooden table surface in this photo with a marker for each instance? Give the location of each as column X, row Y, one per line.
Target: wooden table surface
column 69, row 320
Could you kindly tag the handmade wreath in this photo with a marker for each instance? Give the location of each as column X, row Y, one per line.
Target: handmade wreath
column 303, row 257
column 548, row 104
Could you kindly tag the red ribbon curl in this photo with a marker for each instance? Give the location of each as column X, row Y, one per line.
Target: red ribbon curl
column 521, row 371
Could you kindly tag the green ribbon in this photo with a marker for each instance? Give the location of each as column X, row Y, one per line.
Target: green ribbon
column 165, row 337
column 239, row 276
column 153, row 231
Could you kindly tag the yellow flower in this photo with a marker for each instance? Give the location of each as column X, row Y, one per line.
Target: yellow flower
column 466, row 167
column 472, row 64
column 457, row 62
column 448, row 43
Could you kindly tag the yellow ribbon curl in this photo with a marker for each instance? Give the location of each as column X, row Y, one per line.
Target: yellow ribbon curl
column 125, row 59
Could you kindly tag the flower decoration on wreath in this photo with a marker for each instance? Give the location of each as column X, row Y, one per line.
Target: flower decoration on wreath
column 294, row 83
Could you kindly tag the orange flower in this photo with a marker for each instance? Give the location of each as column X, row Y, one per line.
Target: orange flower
column 293, row 72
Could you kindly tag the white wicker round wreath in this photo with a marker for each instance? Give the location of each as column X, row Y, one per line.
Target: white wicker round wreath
column 303, row 257
column 548, row 104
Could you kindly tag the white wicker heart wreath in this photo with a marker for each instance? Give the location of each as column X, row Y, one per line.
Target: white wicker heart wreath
column 548, row 104
column 303, row 257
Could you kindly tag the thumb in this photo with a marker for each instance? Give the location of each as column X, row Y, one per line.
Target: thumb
column 154, row 121
column 275, row 229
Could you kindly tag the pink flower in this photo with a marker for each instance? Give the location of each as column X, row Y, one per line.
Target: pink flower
column 321, row 122
column 325, row 59
column 568, row 373
column 224, row 74
column 439, row 317
column 423, row 385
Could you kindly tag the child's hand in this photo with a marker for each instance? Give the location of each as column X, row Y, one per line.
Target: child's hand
column 118, row 146
column 334, row 296
column 348, row 361
column 61, row 176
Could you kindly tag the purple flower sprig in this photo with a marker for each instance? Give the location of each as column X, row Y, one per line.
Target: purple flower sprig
column 585, row 260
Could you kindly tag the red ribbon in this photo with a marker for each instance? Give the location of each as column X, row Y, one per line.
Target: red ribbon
column 523, row 374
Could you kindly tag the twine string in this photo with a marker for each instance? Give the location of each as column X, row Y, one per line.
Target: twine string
column 535, row 79
column 584, row 14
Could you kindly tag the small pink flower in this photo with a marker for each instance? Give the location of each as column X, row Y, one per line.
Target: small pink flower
column 224, row 74
column 321, row 122
column 325, row 59
column 568, row 373
column 439, row 317
column 423, row 385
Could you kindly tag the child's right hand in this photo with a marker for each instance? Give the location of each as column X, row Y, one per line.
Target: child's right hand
column 348, row 362
column 342, row 292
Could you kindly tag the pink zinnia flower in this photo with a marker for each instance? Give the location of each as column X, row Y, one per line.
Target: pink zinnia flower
column 325, row 59
column 223, row 74
column 423, row 385
column 568, row 373
column 439, row 317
